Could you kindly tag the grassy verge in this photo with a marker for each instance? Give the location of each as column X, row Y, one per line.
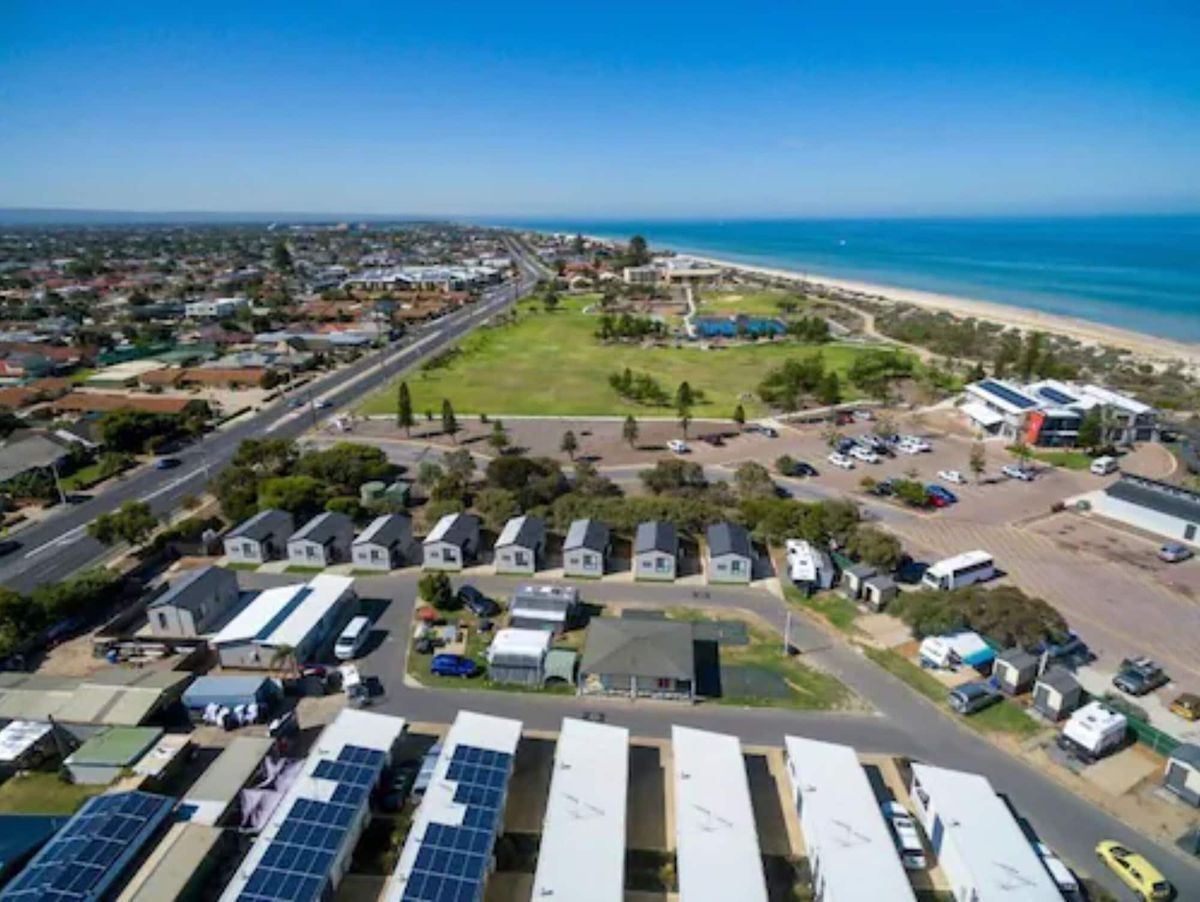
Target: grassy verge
column 43, row 792
column 505, row 369
column 242, row 566
column 1003, row 717
column 301, row 568
column 839, row 612
column 1068, row 460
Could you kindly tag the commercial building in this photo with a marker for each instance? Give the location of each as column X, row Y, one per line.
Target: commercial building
column 1049, row 413
column 383, row 544
column 260, row 539
column 979, row 844
column 633, row 657
column 730, row 556
column 103, row 758
column 448, row 853
column 850, row 849
column 304, row 848
column 518, row 656
column 1161, row 508
column 585, row 549
column 521, row 545
column 582, row 852
column 229, row 692
column 543, row 607
column 98, row 847
column 214, row 795
column 453, row 541
column 323, row 540
column 298, row 619
column 655, row 551
column 193, row 603
column 716, row 840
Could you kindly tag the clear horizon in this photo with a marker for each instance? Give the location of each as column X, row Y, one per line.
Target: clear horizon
column 618, row 111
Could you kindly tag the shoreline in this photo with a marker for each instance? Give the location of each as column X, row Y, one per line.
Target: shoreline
column 1140, row 344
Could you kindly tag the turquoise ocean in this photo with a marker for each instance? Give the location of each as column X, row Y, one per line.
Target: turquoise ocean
column 1135, row 272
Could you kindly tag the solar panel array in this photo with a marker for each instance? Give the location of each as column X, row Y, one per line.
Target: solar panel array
column 88, row 854
column 1016, row 399
column 300, row 857
column 1054, row 395
column 452, row 860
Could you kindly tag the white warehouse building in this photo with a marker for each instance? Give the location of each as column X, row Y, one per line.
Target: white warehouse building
column 1166, row 510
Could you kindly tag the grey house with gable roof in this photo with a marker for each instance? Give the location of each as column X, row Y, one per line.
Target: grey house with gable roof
column 638, row 658
column 452, row 542
column 656, row 551
column 521, row 545
column 193, row 602
column 260, row 539
column 586, row 548
column 382, row 545
column 323, row 540
column 729, row 555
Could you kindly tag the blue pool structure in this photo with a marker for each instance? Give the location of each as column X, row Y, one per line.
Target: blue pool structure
column 736, row 327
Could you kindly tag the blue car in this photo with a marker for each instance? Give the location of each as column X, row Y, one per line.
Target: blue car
column 453, row 665
column 938, row 491
column 167, row 463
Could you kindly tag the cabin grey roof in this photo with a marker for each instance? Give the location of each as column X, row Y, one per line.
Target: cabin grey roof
column 1188, row 753
column 453, row 528
column 727, row 538
column 1018, row 658
column 544, row 597
column 1060, row 679
column 27, row 453
column 525, row 532
column 263, row 524
column 384, row 530
column 862, row 571
column 656, row 535
column 324, row 527
column 590, row 534
column 1162, row 497
column 656, row 649
column 199, row 583
column 880, row 581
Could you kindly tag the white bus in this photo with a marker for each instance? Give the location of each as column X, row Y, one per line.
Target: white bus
column 960, row 570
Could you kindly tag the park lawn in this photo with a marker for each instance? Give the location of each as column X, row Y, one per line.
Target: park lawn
column 751, row 302
column 88, row 477
column 43, row 792
column 840, row 612
column 1068, row 460
column 552, row 364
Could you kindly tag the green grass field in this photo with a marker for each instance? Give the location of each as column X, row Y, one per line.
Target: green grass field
column 1068, row 460
column 42, row 792
column 754, row 303
column 552, row 364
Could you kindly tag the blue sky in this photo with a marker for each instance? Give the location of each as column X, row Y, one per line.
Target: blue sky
column 529, row 109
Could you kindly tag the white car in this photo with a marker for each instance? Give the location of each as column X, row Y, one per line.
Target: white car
column 908, row 838
column 952, row 476
column 1066, row 882
column 679, row 446
column 866, row 455
column 841, row 460
column 916, row 442
column 907, row 448
column 1012, row 471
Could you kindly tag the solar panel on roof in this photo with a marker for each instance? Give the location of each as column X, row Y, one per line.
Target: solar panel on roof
column 1004, row 392
column 1053, row 394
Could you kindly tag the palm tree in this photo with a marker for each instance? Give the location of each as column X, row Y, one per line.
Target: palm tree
column 283, row 658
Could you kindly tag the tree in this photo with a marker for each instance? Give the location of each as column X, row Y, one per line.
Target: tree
column 785, row 464
column 753, row 479
column 831, row 435
column 1021, row 452
column 639, row 253
column 281, row 256
column 343, row 468
column 404, row 409
column 569, row 445
column 875, row 547
column 977, row 462
column 976, row 373
column 685, row 420
column 550, row 300
column 435, row 589
column 132, row 522
column 236, row 490
column 283, row 659
column 829, row 392
column 786, row 385
column 459, row 464
column 533, row 480
column 496, row 507
column 674, row 477
column 1031, row 355
column 1091, row 429
column 684, row 398
column 302, row 496
column 428, row 473
column 739, row 415
column 910, row 492
column 270, row 456
column 498, row 438
column 629, row 431
column 449, row 422
column 348, row 505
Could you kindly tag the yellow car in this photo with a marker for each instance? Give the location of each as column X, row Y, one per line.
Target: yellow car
column 1135, row 871
column 1187, row 706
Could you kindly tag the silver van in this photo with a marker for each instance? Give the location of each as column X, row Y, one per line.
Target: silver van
column 352, row 639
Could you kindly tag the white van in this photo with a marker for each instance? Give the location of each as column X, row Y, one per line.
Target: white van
column 1102, row 466
column 352, row 639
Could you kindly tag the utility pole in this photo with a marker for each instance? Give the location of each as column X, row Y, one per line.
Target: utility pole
column 787, row 633
column 62, row 497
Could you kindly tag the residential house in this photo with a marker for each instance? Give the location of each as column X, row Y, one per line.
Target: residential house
column 193, row 603
column 453, row 541
column 585, row 549
column 262, row 538
column 323, row 540
column 20, row 454
column 655, row 551
column 638, row 658
column 729, row 553
column 382, row 545
column 521, row 545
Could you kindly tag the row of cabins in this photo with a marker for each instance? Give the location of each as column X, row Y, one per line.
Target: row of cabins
column 455, row 541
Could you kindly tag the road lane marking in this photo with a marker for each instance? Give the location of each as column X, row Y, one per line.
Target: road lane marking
column 68, row 536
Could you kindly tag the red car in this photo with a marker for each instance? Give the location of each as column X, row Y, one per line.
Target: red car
column 936, row 501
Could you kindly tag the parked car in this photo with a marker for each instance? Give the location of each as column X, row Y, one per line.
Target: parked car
column 971, row 697
column 915, row 441
column 952, row 476
column 453, row 665
column 1139, row 676
column 800, row 468
column 865, row 454
column 1062, row 876
column 1012, row 471
column 759, row 429
column 399, row 785
column 713, row 438
column 938, row 501
column 1174, row 553
column 8, row 546
column 323, row 404
column 938, row 491
column 293, row 403
column 841, row 460
column 424, row 646
column 1134, row 870
column 477, row 603
column 1187, row 706
column 906, row 835
column 167, row 463
column 679, row 446
column 883, row 488
column 844, row 445
column 905, row 447
column 286, row 724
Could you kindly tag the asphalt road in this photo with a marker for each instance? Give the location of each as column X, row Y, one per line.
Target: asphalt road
column 905, row 724
column 60, row 546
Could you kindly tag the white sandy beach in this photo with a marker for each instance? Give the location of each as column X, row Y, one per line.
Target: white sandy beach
column 1142, row 345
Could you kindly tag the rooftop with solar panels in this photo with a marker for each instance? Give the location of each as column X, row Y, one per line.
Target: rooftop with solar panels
column 448, row 853
column 1054, row 408
column 301, row 851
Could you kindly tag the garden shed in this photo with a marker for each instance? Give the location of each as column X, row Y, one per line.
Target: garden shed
column 1015, row 670
column 1057, row 693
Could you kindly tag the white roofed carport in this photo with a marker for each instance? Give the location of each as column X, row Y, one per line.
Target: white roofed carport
column 982, row 414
